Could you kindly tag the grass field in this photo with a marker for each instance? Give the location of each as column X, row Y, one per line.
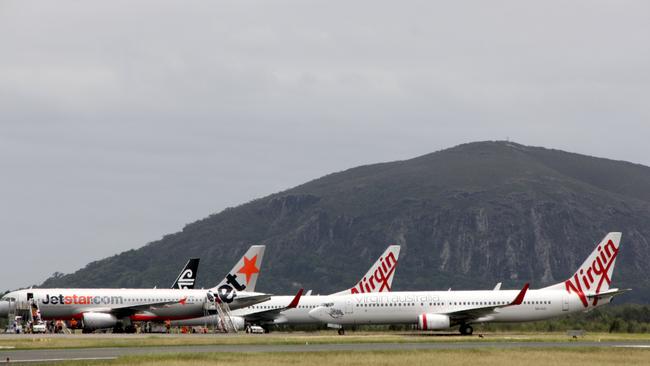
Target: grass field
column 501, row 357
column 134, row 340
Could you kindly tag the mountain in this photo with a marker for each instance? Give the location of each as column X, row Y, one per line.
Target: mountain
column 466, row 217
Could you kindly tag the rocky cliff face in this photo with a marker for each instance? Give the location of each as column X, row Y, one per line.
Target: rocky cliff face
column 466, row 217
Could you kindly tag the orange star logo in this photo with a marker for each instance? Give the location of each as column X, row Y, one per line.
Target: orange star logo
column 249, row 268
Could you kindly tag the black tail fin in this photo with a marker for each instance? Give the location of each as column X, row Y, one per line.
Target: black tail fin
column 187, row 277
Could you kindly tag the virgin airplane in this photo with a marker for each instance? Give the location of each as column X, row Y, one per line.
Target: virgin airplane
column 115, row 308
column 588, row 288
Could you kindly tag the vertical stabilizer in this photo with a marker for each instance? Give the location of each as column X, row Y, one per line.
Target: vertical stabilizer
column 187, row 277
column 243, row 276
column 595, row 274
column 379, row 277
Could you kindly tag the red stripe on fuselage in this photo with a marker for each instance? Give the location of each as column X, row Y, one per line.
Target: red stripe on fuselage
column 147, row 318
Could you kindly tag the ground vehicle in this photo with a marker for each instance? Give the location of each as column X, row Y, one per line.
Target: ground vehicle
column 39, row 328
column 256, row 329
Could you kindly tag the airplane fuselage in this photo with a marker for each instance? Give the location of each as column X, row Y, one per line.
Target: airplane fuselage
column 62, row 303
column 405, row 307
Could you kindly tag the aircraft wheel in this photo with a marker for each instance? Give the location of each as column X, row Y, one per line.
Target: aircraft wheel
column 341, row 331
column 86, row 331
column 466, row 329
column 248, row 329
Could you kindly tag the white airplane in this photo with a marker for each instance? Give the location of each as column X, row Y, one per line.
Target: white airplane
column 114, row 308
column 287, row 309
column 437, row 310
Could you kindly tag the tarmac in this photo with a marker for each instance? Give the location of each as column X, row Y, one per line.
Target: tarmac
column 54, row 355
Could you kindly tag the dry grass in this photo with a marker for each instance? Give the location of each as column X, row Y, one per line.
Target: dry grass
column 474, row 357
column 98, row 340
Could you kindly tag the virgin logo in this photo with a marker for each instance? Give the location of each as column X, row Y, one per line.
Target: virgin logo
column 380, row 278
column 594, row 275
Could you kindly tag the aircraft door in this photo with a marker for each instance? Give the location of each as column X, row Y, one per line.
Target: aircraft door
column 349, row 307
column 565, row 303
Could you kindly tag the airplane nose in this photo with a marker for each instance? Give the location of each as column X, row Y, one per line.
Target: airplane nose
column 319, row 313
column 4, row 308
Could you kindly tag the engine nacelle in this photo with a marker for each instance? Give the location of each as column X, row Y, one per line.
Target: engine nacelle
column 98, row 320
column 433, row 322
column 4, row 308
column 238, row 322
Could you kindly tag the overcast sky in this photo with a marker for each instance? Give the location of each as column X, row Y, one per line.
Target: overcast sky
column 121, row 121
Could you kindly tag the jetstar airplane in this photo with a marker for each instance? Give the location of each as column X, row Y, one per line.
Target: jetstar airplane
column 117, row 308
column 287, row 310
column 436, row 310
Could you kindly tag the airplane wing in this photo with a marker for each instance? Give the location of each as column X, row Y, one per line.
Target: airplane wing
column 271, row 314
column 243, row 302
column 479, row 312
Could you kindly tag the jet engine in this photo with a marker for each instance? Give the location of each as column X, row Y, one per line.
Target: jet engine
column 4, row 308
column 433, row 321
column 238, row 322
column 98, row 320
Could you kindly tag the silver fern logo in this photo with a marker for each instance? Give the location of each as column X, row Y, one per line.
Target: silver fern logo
column 186, row 279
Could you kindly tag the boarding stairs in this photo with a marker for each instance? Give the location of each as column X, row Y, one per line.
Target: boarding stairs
column 219, row 311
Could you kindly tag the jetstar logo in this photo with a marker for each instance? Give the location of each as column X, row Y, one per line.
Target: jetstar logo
column 380, row 279
column 595, row 275
column 81, row 300
column 249, row 268
column 228, row 291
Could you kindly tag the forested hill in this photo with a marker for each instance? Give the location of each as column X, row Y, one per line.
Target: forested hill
column 466, row 217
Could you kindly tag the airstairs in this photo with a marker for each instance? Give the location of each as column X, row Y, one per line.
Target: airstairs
column 218, row 313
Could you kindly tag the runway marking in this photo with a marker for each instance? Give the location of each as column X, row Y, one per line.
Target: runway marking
column 64, row 359
column 633, row 346
column 7, row 347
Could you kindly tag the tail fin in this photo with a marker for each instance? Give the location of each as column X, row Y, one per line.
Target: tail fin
column 187, row 277
column 244, row 274
column 379, row 277
column 595, row 274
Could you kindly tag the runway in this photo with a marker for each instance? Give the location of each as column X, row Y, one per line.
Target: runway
column 53, row 355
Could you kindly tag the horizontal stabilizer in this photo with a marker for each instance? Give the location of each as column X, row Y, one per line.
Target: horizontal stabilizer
column 609, row 293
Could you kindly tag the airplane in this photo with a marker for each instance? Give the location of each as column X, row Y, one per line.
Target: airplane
column 286, row 310
column 187, row 277
column 588, row 288
column 115, row 308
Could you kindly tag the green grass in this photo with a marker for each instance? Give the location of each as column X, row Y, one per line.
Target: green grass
column 324, row 337
column 475, row 357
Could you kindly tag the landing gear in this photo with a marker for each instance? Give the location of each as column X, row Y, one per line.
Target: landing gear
column 466, row 329
column 341, row 331
column 129, row 329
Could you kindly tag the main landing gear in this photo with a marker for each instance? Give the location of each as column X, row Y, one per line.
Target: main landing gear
column 466, row 329
column 341, row 331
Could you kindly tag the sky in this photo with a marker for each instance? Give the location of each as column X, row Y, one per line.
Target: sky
column 122, row 121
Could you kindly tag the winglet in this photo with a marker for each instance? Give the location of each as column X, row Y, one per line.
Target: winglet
column 296, row 299
column 520, row 297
